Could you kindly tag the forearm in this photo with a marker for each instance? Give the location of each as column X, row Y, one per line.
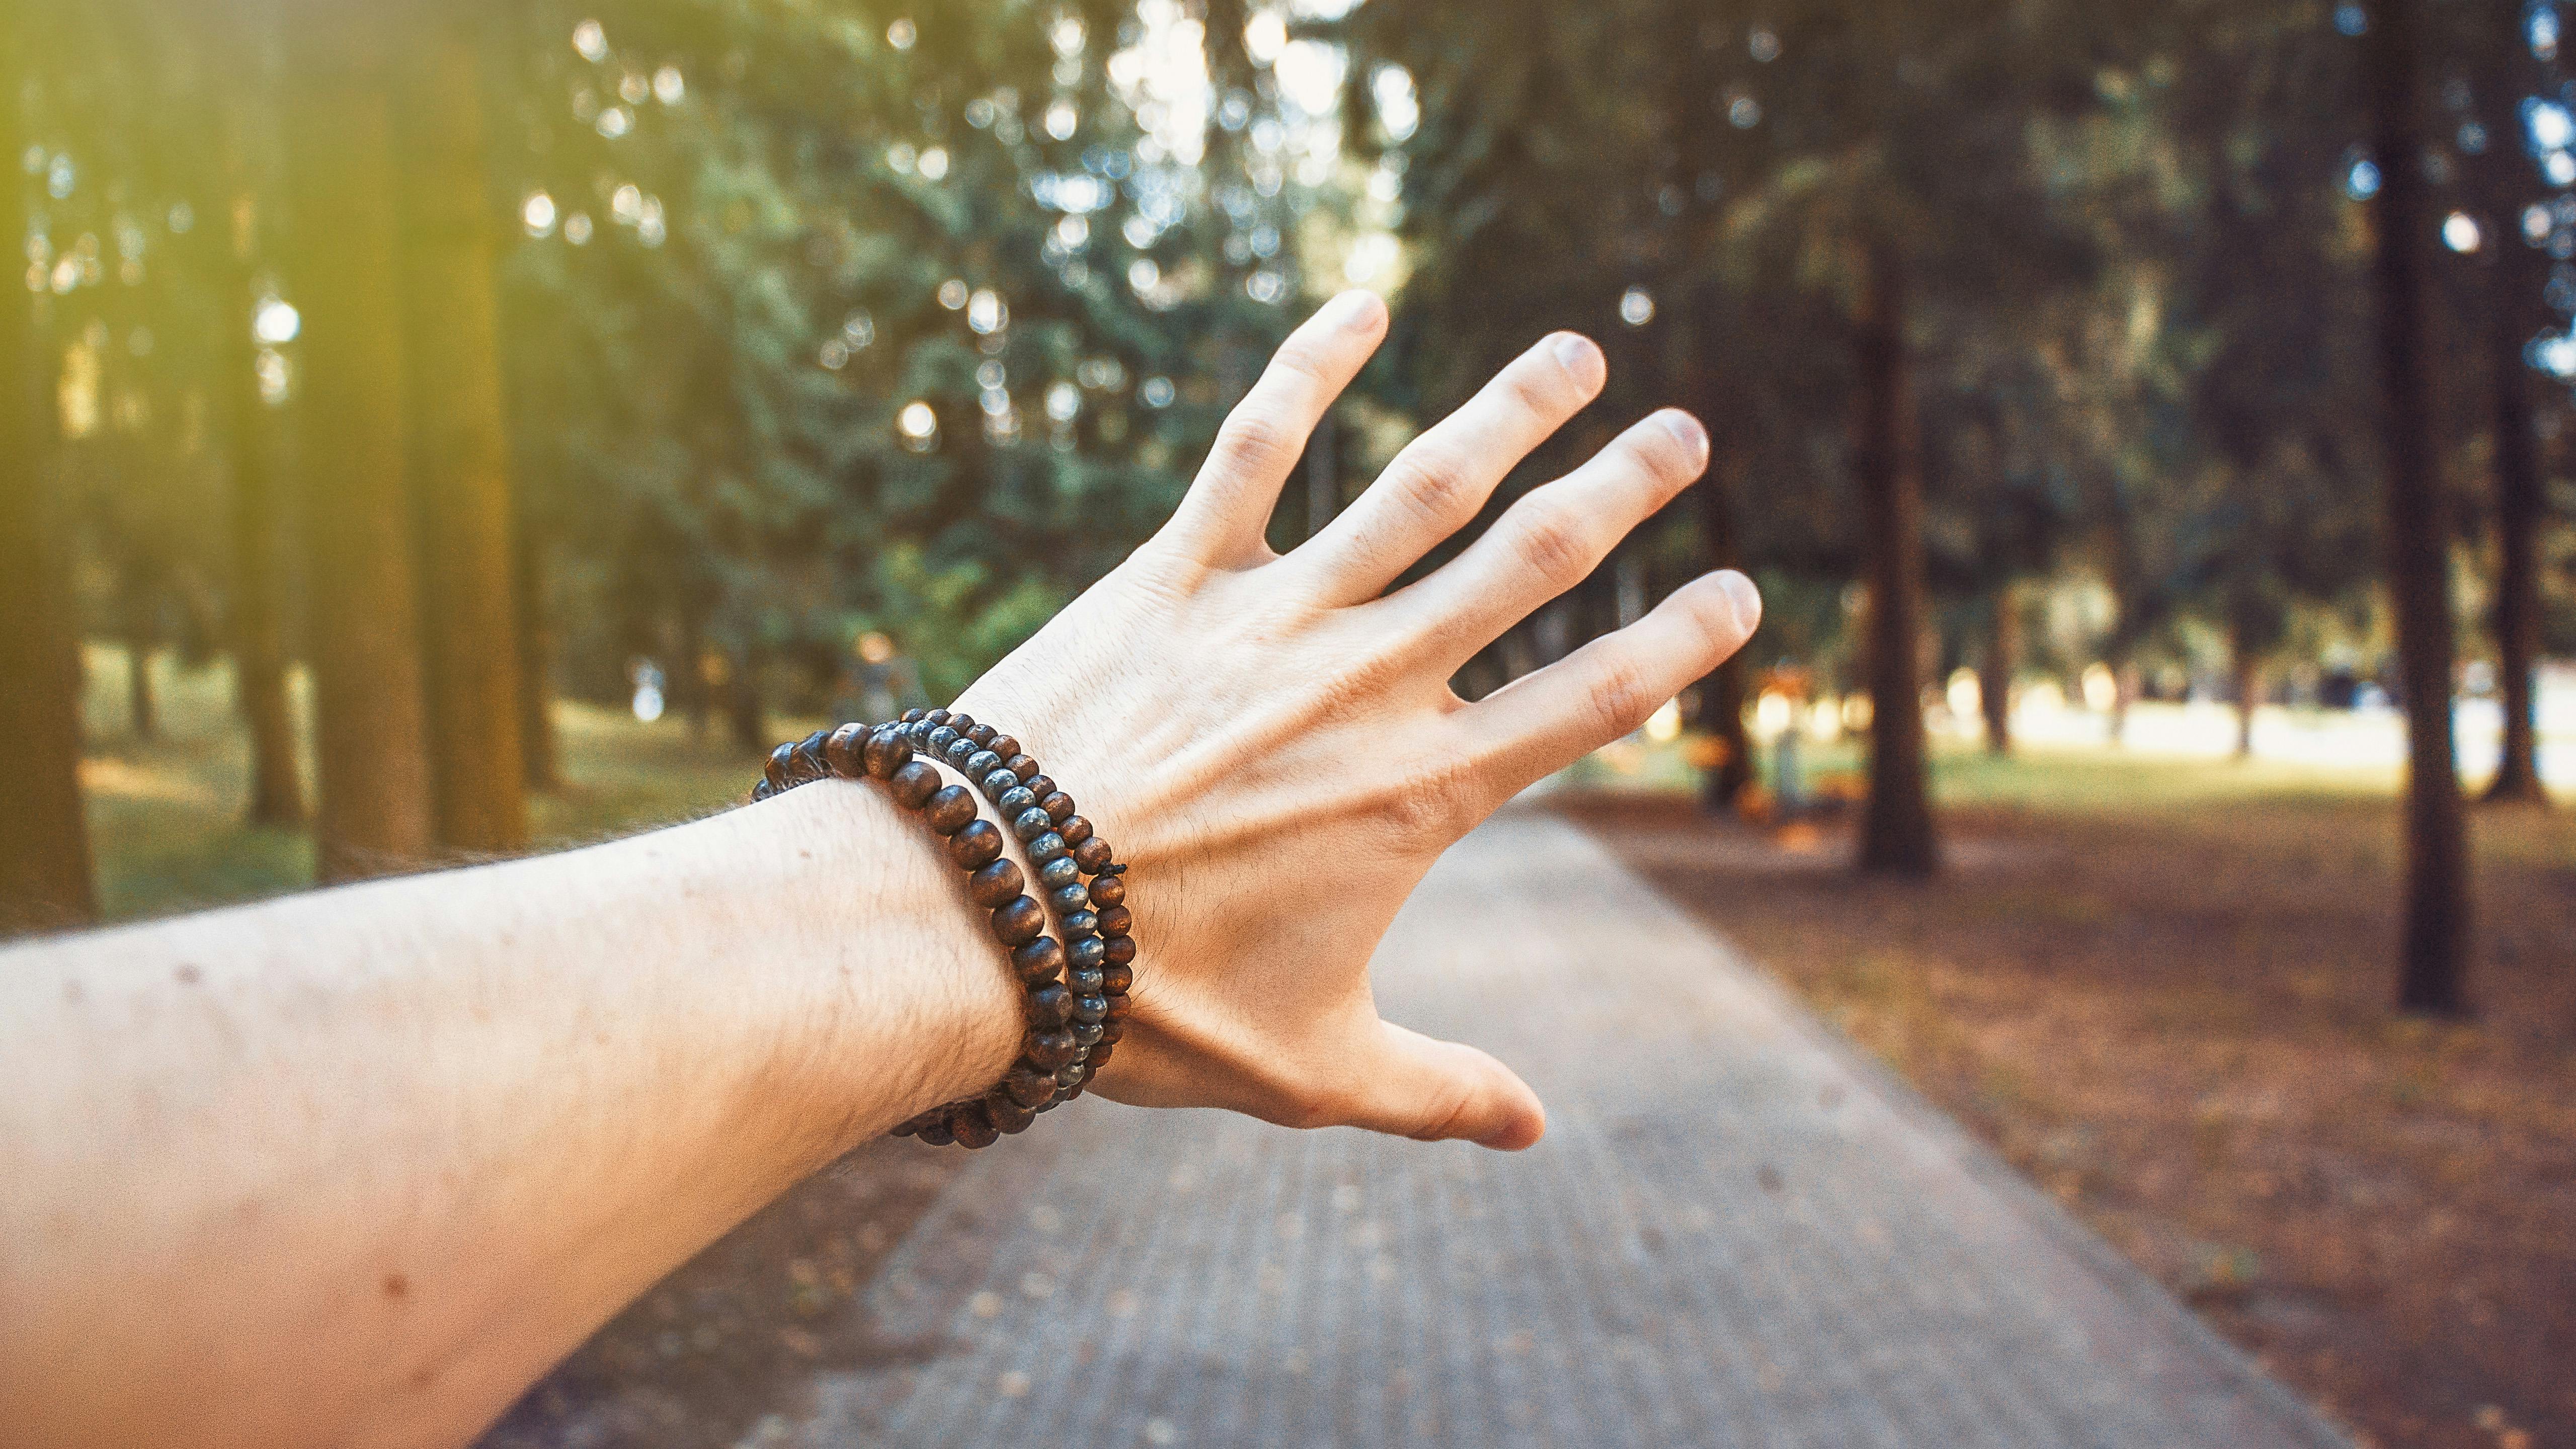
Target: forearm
column 263, row 1190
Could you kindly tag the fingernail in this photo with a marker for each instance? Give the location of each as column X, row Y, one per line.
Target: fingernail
column 1746, row 599
column 1687, row 430
column 1579, row 357
column 1355, row 310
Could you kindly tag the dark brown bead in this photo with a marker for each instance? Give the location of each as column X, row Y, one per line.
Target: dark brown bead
column 762, row 791
column 841, row 751
column 1112, row 1031
column 806, row 764
column 1049, row 1006
column 1028, row 1085
column 1121, row 950
column 1039, row 785
column 936, row 1132
column 976, row 846
column 1007, row 1116
column 1006, row 747
column 995, row 883
column 1099, row 1057
column 961, row 722
column 1058, row 806
column 981, row 734
column 1075, row 830
column 1119, row 1006
column 1020, row 765
column 935, row 716
column 775, row 772
column 1091, row 855
column 913, row 716
column 885, row 752
column 1116, row 979
column 913, row 784
column 972, row 1127
column 1109, row 890
column 1051, row 1050
column 950, row 809
column 1017, row 921
column 1117, row 920
column 1039, row 960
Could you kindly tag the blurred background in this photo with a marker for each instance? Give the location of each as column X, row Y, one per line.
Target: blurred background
column 437, row 431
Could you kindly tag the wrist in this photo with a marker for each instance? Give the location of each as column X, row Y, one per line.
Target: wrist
column 906, row 1002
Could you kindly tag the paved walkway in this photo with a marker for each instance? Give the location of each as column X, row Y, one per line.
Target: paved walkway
column 1735, row 1233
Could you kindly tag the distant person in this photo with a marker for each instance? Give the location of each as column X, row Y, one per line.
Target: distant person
column 880, row 683
column 357, row 1166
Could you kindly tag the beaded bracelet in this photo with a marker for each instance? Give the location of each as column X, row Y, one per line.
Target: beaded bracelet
column 1073, row 1024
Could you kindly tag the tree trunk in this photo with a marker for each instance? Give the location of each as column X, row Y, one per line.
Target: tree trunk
column 1721, row 694
column 2247, row 665
column 2520, row 508
column 743, row 714
column 459, row 455
column 142, row 714
column 1995, row 671
column 375, row 813
column 2434, row 952
column 1896, row 830
column 259, row 564
column 44, row 837
column 540, row 759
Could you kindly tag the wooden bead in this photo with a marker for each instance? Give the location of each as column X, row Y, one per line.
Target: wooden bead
column 1114, row 980
column 1099, row 1057
column 1060, row 872
column 1091, row 855
column 1058, row 806
column 806, row 763
column 1109, row 890
column 1078, row 920
column 935, row 716
column 1049, row 1006
column 972, row 1127
column 998, row 783
column 1017, row 921
column 1088, row 1034
column 762, row 791
column 841, row 751
column 976, row 846
column 1115, row 920
column 913, row 784
column 913, row 716
column 995, row 883
column 775, row 772
column 1014, row 802
column 1022, row 766
column 1031, row 823
column 960, row 721
column 1004, row 746
column 1039, row 960
column 885, row 752
column 1027, row 1085
column 1120, row 950
column 1006, row 1115
column 1116, row 1007
column 1086, row 980
column 1084, row 954
column 936, row 1132
column 981, row 734
column 1090, row 1009
column 1051, row 1050
column 939, row 739
column 949, row 809
column 1075, row 830
column 1112, row 1032
column 1046, row 847
column 1039, row 785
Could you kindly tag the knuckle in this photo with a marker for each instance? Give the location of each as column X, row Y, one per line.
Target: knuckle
column 1437, row 486
column 1665, row 458
column 1539, row 387
column 1432, row 801
column 1552, row 543
column 1621, row 696
column 1258, row 438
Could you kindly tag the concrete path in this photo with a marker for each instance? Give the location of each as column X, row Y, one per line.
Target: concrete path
column 1735, row 1233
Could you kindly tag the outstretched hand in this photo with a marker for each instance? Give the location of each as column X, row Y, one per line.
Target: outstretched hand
column 1273, row 745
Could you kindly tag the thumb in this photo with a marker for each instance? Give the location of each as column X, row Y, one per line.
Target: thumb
column 1434, row 1091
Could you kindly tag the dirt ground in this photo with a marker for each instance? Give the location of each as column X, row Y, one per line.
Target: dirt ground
column 2177, row 1018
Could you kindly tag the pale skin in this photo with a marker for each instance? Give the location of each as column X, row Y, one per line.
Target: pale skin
column 356, row 1167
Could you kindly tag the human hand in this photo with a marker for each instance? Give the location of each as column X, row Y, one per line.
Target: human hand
column 1272, row 745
